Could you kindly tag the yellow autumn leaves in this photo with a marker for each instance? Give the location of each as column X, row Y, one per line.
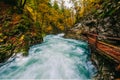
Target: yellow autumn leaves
column 50, row 17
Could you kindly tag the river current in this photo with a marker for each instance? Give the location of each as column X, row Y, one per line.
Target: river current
column 55, row 58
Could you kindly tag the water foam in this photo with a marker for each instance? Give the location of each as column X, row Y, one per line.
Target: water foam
column 55, row 58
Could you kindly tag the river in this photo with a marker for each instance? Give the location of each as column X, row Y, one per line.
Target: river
column 56, row 58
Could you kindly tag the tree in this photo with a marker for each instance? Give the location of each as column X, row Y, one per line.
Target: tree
column 55, row 5
column 19, row 4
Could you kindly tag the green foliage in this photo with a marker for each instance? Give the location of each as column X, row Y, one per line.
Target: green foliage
column 6, row 24
column 56, row 6
column 40, row 18
column 22, row 28
column 37, row 24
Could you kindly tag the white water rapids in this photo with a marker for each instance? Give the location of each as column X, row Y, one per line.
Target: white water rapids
column 56, row 58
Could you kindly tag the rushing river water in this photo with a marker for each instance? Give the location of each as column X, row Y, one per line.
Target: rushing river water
column 55, row 58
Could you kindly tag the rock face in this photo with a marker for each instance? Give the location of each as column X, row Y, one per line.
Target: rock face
column 104, row 21
column 103, row 64
column 75, row 32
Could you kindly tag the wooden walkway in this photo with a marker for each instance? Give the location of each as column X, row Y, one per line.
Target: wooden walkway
column 109, row 51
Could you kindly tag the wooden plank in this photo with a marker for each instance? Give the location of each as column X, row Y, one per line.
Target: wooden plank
column 109, row 51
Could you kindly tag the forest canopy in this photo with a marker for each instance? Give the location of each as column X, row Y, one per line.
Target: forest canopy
column 28, row 21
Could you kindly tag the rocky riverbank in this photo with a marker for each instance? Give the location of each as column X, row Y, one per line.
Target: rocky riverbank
column 103, row 64
column 104, row 22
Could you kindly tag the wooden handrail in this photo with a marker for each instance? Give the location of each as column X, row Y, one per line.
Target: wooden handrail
column 113, row 38
column 118, row 48
column 111, row 55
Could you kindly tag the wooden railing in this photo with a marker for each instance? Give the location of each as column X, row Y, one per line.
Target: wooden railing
column 110, row 51
column 106, row 37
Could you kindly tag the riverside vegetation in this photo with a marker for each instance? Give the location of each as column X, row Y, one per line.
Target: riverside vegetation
column 24, row 23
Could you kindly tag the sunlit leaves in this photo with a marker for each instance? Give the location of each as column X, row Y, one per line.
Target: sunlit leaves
column 50, row 16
